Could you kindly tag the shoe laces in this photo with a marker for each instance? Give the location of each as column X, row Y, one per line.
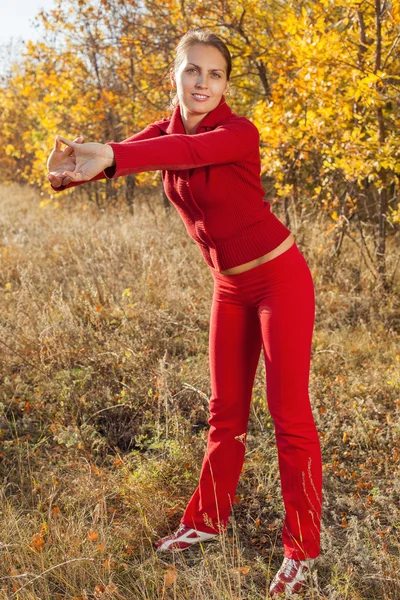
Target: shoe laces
column 292, row 563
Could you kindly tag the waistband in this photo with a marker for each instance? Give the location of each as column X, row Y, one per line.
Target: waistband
column 269, row 267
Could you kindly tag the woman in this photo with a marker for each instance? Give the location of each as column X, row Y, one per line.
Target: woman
column 263, row 293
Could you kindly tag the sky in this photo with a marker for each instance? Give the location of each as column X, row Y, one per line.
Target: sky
column 16, row 17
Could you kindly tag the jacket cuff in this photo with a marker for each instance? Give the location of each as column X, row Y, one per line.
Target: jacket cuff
column 123, row 165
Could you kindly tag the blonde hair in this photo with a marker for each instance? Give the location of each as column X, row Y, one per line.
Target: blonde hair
column 199, row 36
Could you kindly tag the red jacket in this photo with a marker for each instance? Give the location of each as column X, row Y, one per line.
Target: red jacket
column 213, row 180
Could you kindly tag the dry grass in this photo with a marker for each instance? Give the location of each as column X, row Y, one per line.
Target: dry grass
column 104, row 407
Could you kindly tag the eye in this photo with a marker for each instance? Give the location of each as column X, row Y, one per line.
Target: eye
column 191, row 69
column 219, row 76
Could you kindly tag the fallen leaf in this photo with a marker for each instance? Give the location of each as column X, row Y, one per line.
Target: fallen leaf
column 99, row 591
column 37, row 542
column 92, row 536
column 170, row 576
column 129, row 549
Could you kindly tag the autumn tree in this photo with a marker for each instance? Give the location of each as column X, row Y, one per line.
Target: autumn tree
column 319, row 79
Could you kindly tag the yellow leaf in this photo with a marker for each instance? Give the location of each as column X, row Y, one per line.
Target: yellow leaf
column 44, row 529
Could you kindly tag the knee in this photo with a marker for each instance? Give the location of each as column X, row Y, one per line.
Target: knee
column 228, row 426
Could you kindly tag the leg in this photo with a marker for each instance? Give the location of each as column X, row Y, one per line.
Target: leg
column 287, row 321
column 235, row 346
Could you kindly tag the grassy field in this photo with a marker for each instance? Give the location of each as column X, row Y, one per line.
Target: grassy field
column 104, row 408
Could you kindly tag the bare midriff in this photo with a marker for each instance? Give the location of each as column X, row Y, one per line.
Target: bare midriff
column 286, row 244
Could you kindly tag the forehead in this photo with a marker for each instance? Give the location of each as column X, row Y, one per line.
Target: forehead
column 208, row 56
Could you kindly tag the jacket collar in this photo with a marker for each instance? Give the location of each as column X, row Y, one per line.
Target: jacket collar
column 216, row 116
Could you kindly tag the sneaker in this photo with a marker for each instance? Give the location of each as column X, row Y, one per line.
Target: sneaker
column 182, row 538
column 290, row 579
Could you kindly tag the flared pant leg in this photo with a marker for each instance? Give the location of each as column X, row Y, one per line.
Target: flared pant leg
column 286, row 313
column 235, row 348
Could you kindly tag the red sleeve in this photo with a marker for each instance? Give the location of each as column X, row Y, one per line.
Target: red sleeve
column 230, row 142
column 150, row 131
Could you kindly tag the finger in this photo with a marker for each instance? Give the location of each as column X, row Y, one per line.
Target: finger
column 68, row 150
column 66, row 141
column 57, row 145
column 75, row 175
column 56, row 181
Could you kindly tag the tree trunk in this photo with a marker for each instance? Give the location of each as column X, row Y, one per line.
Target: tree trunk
column 382, row 191
column 130, row 184
column 165, row 199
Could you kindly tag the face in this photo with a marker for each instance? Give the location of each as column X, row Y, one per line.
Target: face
column 201, row 79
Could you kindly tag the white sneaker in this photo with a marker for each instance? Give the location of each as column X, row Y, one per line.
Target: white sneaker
column 183, row 538
column 290, row 580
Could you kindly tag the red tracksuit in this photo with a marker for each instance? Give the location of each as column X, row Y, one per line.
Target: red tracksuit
column 270, row 307
column 213, row 180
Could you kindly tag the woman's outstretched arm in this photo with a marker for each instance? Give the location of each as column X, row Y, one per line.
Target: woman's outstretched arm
column 231, row 142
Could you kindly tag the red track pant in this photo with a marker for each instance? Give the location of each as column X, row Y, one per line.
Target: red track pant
column 269, row 307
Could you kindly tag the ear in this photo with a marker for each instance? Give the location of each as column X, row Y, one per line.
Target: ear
column 226, row 87
column 172, row 77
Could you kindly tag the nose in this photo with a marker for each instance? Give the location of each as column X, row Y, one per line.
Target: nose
column 201, row 81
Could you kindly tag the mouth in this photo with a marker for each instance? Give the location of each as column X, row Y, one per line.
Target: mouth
column 200, row 96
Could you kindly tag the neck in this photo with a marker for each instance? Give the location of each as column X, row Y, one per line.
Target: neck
column 190, row 120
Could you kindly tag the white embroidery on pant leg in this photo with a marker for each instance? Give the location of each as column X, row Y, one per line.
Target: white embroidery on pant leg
column 315, row 511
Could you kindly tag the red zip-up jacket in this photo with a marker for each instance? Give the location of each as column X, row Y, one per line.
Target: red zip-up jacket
column 213, row 179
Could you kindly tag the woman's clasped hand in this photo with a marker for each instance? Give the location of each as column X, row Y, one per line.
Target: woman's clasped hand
column 78, row 161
